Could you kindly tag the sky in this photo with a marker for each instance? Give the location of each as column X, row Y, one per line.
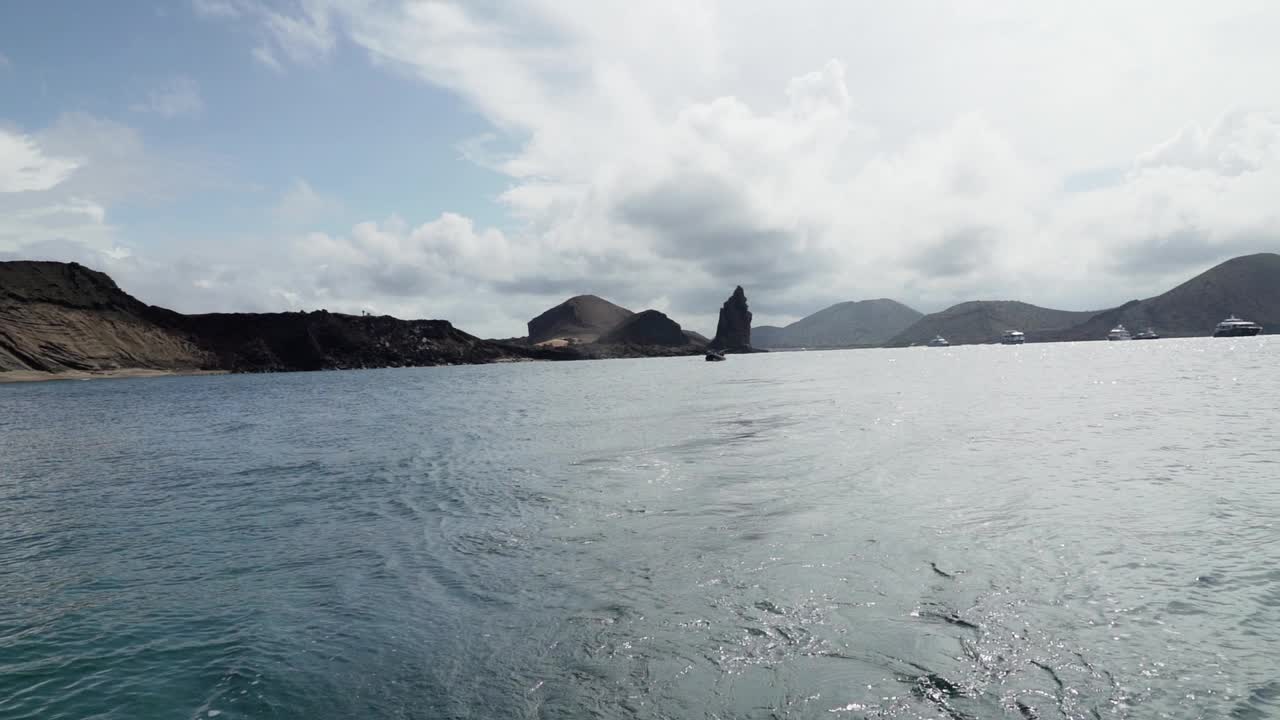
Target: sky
column 481, row 161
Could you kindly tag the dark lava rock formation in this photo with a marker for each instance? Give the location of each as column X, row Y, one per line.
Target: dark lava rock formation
column 589, row 328
column 58, row 317
column 733, row 331
column 647, row 328
column 321, row 340
column 583, row 319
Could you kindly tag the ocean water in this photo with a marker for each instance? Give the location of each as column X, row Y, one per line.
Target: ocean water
column 1049, row 531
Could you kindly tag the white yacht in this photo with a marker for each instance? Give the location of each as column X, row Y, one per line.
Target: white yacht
column 939, row 341
column 1013, row 337
column 1119, row 333
column 1235, row 327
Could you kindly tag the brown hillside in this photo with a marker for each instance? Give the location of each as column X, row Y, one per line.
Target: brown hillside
column 63, row 316
column 584, row 318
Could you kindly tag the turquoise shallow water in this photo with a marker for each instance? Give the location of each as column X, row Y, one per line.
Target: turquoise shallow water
column 1053, row 531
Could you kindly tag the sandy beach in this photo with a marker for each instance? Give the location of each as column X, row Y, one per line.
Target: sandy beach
column 17, row 376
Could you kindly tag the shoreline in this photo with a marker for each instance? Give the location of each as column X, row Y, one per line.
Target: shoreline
column 26, row 376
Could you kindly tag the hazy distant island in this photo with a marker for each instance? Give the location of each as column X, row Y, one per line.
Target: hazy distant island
column 1248, row 286
column 66, row 320
column 867, row 323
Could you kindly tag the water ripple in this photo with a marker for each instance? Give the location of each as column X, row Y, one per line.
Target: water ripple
column 803, row 535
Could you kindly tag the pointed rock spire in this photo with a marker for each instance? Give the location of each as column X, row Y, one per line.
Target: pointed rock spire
column 733, row 332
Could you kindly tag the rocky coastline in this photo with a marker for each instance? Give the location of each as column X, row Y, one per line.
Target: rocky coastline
column 66, row 321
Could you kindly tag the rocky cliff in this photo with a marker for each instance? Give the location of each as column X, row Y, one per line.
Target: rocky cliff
column 59, row 317
column 320, row 340
column 733, row 331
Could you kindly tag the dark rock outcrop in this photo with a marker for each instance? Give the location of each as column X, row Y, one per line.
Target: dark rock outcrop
column 587, row 327
column 321, row 340
column 733, row 331
column 696, row 338
column 583, row 318
column 647, row 328
column 59, row 317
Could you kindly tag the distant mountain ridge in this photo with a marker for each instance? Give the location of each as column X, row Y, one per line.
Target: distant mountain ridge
column 1247, row 286
column 66, row 318
column 982, row 321
column 846, row 324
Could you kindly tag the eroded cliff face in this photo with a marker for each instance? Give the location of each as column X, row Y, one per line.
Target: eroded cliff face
column 58, row 317
column 733, row 331
column 61, row 317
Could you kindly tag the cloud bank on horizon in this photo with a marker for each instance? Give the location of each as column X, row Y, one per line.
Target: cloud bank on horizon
column 660, row 153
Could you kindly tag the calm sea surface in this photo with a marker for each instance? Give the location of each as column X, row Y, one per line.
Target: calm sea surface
column 1049, row 531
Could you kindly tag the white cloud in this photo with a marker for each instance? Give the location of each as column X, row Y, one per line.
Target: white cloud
column 303, row 37
column 393, row 259
column 662, row 152
column 300, row 204
column 24, row 166
column 215, row 8
column 118, row 164
column 916, row 161
column 267, row 58
column 299, row 32
column 53, row 207
column 72, row 209
column 1187, row 202
column 1239, row 142
column 5, row 63
column 178, row 96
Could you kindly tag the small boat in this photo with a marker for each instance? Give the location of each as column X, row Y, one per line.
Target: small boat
column 939, row 341
column 1147, row 334
column 1013, row 337
column 1119, row 333
column 715, row 356
column 1235, row 327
